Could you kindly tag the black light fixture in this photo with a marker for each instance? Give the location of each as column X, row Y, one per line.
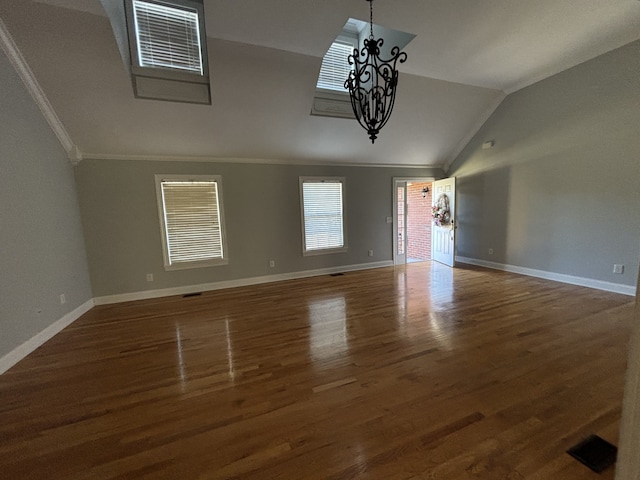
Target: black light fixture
column 425, row 190
column 372, row 83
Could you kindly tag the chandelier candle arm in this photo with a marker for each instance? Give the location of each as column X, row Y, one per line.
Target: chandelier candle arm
column 372, row 83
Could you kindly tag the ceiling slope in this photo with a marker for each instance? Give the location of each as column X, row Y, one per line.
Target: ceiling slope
column 265, row 57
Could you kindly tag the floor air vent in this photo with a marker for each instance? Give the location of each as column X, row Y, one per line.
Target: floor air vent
column 595, row 453
column 197, row 294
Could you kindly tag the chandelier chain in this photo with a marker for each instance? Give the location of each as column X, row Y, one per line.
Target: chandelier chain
column 371, row 17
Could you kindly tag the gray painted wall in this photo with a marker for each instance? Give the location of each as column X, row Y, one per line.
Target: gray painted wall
column 42, row 252
column 560, row 190
column 262, row 210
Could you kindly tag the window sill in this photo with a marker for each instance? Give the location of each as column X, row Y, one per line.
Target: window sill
column 191, row 265
column 332, row 104
column 324, row 251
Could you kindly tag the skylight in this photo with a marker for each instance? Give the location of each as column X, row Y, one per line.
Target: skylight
column 167, row 54
column 335, row 66
column 330, row 98
column 168, row 36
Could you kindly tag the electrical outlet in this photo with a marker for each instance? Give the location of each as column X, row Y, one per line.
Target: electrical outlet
column 389, row 219
column 63, row 299
column 149, row 277
column 618, row 268
column 370, row 253
column 272, row 263
column 491, row 251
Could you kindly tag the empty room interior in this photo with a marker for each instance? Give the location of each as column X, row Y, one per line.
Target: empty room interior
column 260, row 239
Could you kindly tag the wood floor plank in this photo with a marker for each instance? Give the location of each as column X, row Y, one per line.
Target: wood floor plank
column 416, row 372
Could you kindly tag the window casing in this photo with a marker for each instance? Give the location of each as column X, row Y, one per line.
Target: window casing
column 191, row 221
column 323, row 212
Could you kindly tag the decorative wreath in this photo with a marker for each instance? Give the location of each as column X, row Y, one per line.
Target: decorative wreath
column 440, row 211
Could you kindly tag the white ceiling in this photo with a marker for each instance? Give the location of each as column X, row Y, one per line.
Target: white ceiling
column 265, row 56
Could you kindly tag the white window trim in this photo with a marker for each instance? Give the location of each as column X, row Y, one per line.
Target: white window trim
column 324, row 251
column 167, row 73
column 163, row 231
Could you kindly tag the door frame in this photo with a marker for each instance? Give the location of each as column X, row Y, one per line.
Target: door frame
column 628, row 464
column 394, row 221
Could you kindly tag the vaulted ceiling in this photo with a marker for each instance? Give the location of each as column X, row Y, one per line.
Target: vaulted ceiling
column 265, row 56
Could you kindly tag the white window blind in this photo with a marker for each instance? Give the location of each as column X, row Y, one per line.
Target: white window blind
column 323, row 215
column 192, row 224
column 167, row 37
column 335, row 67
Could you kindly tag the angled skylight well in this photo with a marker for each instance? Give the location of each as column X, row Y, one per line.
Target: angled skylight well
column 332, row 98
column 167, row 41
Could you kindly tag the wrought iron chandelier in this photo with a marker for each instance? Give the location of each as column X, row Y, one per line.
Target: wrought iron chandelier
column 372, row 82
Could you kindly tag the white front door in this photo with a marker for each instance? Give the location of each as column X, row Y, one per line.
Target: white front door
column 400, row 225
column 443, row 232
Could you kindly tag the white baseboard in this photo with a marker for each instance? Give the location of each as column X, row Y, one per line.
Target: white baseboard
column 20, row 352
column 242, row 282
column 558, row 277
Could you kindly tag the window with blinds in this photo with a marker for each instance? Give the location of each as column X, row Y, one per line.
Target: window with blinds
column 168, row 36
column 192, row 221
column 335, row 66
column 323, row 215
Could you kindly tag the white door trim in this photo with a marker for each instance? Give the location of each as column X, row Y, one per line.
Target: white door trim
column 628, row 467
column 394, row 199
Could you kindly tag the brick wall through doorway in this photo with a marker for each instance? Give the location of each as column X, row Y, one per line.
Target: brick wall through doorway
column 418, row 222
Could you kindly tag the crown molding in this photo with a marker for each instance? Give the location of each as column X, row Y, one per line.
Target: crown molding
column 260, row 161
column 28, row 78
column 74, row 155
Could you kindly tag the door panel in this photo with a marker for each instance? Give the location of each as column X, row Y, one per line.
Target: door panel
column 443, row 235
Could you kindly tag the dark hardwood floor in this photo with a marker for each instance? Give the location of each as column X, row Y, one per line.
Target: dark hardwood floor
column 416, row 372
